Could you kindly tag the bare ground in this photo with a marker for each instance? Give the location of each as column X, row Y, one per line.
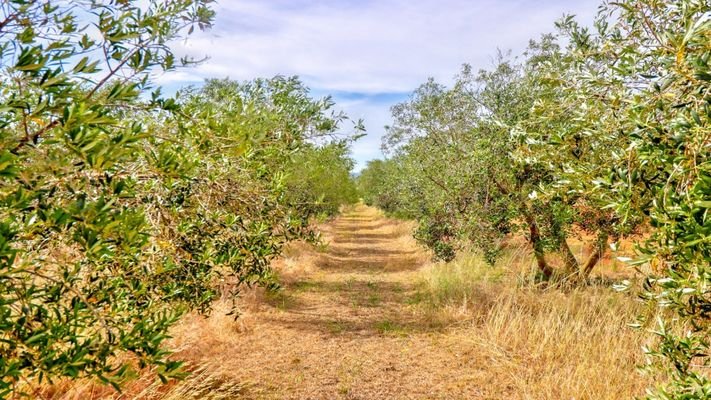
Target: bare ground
column 346, row 327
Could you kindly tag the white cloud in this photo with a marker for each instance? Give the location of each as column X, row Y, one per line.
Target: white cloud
column 366, row 46
column 179, row 76
column 375, row 116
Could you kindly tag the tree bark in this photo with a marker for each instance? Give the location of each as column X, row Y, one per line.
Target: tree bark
column 597, row 252
column 537, row 244
column 570, row 263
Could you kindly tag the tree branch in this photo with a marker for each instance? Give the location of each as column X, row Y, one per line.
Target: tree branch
column 7, row 20
column 34, row 137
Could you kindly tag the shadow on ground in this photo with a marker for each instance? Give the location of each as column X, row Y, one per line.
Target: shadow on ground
column 364, row 284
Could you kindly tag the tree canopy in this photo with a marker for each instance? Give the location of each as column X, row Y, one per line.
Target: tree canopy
column 601, row 130
column 121, row 209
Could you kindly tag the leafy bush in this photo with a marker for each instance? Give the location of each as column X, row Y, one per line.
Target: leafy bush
column 606, row 135
column 120, row 209
column 654, row 88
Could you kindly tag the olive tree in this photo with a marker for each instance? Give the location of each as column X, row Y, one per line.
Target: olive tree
column 319, row 179
column 652, row 78
column 120, row 209
column 72, row 266
column 487, row 166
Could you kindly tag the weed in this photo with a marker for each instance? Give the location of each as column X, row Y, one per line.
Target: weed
column 388, row 327
column 336, row 327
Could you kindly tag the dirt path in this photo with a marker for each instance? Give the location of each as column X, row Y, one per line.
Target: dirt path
column 344, row 327
column 356, row 320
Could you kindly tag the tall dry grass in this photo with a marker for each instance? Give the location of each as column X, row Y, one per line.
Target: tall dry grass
column 539, row 343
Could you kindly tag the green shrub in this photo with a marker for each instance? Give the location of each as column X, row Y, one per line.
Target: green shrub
column 120, row 209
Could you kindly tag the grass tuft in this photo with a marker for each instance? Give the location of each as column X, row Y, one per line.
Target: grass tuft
column 539, row 343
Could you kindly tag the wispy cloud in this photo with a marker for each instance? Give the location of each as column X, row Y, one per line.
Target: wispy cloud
column 369, row 53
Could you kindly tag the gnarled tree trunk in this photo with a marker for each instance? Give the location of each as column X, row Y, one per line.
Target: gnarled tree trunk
column 570, row 263
column 596, row 255
column 534, row 237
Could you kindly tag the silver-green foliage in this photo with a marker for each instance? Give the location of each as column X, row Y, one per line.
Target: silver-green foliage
column 120, row 209
column 656, row 80
column 608, row 133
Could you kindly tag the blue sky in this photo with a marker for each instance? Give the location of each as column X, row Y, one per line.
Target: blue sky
column 368, row 54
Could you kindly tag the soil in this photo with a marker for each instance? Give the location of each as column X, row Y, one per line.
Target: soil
column 344, row 326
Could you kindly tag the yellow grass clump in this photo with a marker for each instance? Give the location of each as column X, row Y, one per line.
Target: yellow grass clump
column 540, row 343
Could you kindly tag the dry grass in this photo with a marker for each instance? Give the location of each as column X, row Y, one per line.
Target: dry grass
column 369, row 317
column 540, row 344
